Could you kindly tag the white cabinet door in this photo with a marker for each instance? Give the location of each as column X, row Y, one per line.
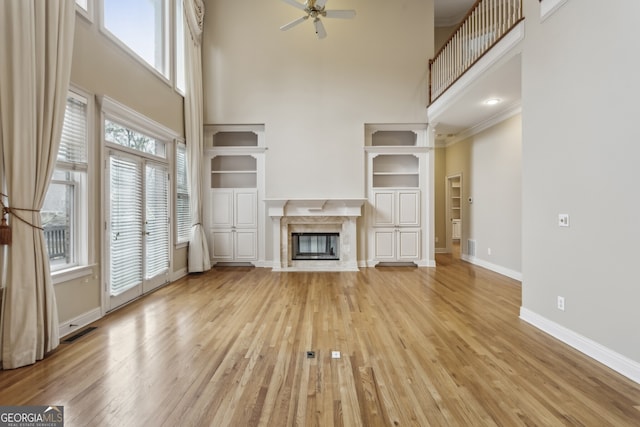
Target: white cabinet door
column 234, row 223
column 221, row 208
column 408, row 244
column 222, row 245
column 246, row 245
column 245, row 208
column 408, row 208
column 384, row 208
column 455, row 229
column 385, row 244
column 396, row 236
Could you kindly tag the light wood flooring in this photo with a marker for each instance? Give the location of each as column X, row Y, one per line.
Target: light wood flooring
column 419, row 347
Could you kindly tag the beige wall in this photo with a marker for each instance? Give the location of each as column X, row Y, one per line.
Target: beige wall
column 580, row 96
column 491, row 167
column 102, row 68
column 440, row 170
column 494, row 183
column 314, row 96
column 442, row 35
column 458, row 162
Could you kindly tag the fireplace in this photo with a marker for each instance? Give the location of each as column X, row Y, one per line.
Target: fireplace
column 315, row 246
column 315, row 234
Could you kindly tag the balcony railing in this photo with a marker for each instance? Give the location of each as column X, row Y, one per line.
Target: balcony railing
column 57, row 240
column 484, row 26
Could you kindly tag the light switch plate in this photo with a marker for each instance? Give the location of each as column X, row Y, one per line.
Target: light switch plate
column 563, row 220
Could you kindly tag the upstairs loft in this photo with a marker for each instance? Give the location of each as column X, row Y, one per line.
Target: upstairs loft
column 486, row 24
column 480, row 60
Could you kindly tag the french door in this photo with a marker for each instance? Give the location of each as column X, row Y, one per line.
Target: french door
column 137, row 226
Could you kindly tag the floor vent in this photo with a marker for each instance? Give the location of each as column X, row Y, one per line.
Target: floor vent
column 80, row 334
column 471, row 247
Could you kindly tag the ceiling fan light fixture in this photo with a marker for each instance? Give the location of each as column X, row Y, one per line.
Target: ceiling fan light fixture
column 316, row 9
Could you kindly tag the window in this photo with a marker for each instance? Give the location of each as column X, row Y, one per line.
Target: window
column 129, row 138
column 64, row 213
column 142, row 26
column 183, row 213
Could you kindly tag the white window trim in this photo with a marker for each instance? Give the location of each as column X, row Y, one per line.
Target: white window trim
column 126, row 116
column 88, row 13
column 85, row 206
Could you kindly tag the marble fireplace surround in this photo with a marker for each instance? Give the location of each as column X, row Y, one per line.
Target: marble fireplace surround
column 314, row 215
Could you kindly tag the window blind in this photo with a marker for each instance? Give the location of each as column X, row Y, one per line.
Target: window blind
column 72, row 153
column 157, row 220
column 183, row 211
column 126, row 224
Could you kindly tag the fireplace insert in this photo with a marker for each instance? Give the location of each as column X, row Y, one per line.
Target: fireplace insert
column 315, row 246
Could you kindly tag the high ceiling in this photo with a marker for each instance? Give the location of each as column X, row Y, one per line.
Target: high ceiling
column 451, row 12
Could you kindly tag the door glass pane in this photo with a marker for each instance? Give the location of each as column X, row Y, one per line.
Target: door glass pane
column 157, row 221
column 126, row 224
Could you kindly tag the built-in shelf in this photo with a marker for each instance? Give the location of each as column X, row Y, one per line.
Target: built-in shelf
column 396, row 170
column 233, row 171
column 397, row 161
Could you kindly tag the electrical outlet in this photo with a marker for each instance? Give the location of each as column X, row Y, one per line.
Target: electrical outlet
column 560, row 303
column 488, row 251
column 335, row 355
column 436, row 239
column 563, row 220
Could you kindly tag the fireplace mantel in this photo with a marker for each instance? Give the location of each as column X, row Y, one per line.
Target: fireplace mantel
column 314, row 215
column 314, row 207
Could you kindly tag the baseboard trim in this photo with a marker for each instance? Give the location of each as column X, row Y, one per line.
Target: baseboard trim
column 79, row 322
column 619, row 363
column 516, row 275
column 179, row 274
column 441, row 250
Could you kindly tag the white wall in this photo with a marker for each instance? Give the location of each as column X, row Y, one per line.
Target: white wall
column 580, row 91
column 314, row 96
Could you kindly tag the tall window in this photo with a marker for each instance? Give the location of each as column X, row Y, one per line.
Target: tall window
column 64, row 213
column 183, row 213
column 142, row 25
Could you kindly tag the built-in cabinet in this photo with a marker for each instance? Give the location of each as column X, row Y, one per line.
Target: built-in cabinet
column 396, row 225
column 234, row 159
column 396, row 184
column 455, row 205
column 234, row 225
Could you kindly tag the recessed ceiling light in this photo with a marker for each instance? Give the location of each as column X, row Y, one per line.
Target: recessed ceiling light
column 493, row 101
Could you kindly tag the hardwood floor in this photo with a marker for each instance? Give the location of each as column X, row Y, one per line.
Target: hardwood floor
column 419, row 347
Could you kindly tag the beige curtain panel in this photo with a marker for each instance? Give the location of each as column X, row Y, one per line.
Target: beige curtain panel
column 36, row 45
column 199, row 260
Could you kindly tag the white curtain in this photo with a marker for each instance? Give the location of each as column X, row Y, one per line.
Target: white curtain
column 193, row 105
column 36, row 46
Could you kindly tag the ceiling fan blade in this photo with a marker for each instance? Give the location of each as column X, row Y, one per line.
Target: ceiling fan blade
column 293, row 23
column 294, row 3
column 320, row 31
column 320, row 3
column 342, row 14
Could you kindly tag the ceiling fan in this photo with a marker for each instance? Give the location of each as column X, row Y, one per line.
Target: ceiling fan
column 315, row 9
